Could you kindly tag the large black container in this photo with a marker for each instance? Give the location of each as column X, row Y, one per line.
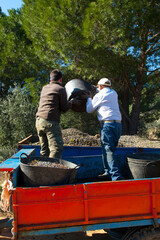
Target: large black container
column 144, row 165
column 46, row 176
column 77, row 88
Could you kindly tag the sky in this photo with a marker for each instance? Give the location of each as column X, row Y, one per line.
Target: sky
column 8, row 4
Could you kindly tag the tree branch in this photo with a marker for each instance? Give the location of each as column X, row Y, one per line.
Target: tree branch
column 151, row 72
column 129, row 84
column 153, row 37
column 155, row 50
column 149, row 49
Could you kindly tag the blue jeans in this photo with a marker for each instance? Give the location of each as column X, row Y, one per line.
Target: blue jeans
column 110, row 134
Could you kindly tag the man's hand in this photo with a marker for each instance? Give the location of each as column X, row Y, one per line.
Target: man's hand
column 86, row 95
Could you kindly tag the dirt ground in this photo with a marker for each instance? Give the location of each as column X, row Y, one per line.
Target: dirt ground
column 89, row 235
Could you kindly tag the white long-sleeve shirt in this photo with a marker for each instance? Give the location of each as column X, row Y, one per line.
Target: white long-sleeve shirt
column 106, row 104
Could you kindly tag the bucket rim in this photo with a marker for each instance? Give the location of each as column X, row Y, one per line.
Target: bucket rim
column 41, row 158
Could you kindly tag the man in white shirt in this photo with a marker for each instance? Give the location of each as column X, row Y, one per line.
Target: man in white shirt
column 109, row 116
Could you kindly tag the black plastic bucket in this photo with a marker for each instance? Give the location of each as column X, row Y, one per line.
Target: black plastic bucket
column 144, row 165
column 77, row 88
column 46, row 176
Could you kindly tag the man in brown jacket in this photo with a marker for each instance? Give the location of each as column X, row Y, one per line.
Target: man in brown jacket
column 53, row 101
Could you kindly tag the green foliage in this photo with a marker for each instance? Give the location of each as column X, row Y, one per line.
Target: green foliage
column 17, row 119
column 150, row 110
column 121, row 23
column 6, row 152
column 118, row 39
column 18, row 60
column 150, row 130
column 13, row 49
column 34, row 88
column 131, row 30
column 149, row 123
column 56, row 24
column 87, row 39
column 61, row 40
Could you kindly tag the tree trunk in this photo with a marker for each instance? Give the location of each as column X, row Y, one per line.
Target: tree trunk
column 130, row 122
column 124, row 96
column 133, row 126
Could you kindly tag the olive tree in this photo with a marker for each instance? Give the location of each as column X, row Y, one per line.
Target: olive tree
column 17, row 117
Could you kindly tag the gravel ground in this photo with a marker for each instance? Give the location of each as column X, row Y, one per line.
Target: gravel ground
column 74, row 137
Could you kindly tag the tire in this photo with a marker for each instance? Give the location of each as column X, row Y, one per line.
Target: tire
column 145, row 233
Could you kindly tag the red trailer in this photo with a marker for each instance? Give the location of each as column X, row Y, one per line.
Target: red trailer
column 128, row 209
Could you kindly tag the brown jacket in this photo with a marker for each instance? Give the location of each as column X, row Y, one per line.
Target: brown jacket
column 53, row 101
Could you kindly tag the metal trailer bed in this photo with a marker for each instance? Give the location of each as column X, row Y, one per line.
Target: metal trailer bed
column 85, row 205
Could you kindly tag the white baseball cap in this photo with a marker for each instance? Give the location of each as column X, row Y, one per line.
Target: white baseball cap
column 104, row 81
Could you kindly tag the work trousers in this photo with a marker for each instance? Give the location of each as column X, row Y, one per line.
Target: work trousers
column 110, row 133
column 50, row 137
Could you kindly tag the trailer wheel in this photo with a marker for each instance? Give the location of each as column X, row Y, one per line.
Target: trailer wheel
column 146, row 233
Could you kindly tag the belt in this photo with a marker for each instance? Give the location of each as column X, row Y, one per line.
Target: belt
column 109, row 121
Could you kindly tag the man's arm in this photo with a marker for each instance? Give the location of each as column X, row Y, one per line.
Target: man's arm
column 93, row 104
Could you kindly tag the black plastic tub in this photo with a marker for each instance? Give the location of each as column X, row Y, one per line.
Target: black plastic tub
column 144, row 165
column 32, row 176
column 76, row 88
